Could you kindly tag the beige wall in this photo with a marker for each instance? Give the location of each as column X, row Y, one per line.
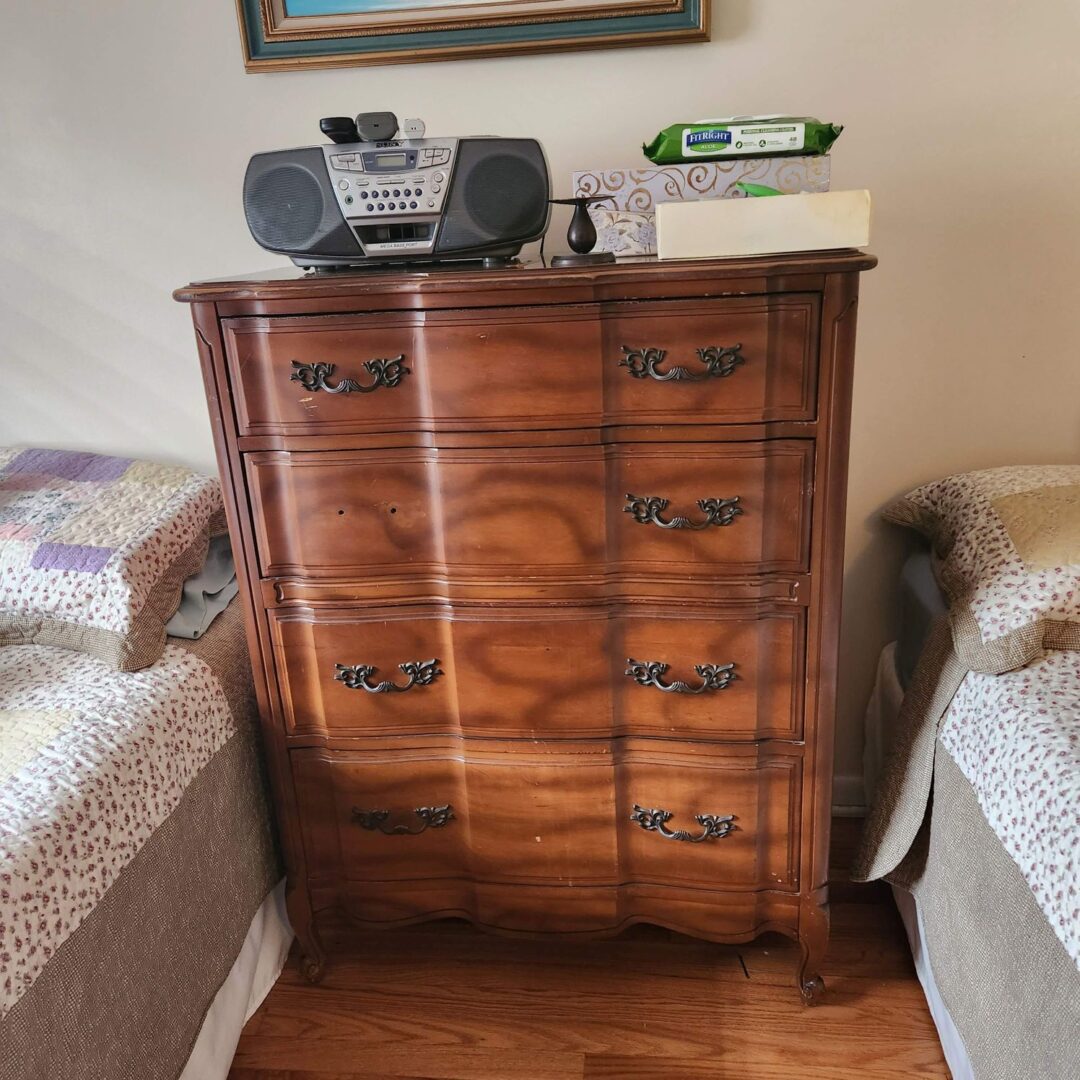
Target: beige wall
column 127, row 126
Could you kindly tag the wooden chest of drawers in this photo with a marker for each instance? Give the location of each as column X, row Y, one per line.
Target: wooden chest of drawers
column 542, row 575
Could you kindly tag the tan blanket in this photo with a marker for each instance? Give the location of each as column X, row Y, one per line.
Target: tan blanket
column 977, row 815
column 1016, row 739
column 136, row 845
column 1011, row 989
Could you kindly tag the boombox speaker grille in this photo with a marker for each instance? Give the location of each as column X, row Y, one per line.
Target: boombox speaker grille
column 498, row 196
column 284, row 206
column 290, row 206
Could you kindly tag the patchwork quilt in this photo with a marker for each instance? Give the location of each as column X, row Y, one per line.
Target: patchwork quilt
column 94, row 550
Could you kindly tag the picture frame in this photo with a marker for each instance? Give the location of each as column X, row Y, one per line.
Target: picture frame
column 283, row 35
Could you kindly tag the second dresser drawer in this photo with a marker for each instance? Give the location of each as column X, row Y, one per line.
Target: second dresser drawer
column 653, row 510
column 711, row 673
column 732, row 360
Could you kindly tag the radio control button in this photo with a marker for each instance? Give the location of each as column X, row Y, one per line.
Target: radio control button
column 397, row 193
column 412, row 206
column 370, row 207
column 431, row 202
column 343, row 184
column 401, row 206
column 382, row 206
column 435, row 189
column 438, row 178
column 363, row 194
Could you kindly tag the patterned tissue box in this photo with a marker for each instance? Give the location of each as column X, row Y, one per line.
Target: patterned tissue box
column 627, row 225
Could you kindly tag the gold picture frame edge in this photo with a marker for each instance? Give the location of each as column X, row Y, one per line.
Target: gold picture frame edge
column 685, row 35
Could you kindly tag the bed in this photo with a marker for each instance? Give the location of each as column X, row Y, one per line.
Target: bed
column 976, row 823
column 141, row 919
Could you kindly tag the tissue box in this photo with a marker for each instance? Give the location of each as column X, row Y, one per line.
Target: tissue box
column 733, row 228
column 627, row 225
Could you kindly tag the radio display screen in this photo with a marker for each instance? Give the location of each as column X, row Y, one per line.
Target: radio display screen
column 391, row 161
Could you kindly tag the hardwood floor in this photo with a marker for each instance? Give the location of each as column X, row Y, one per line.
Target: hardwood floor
column 443, row 1001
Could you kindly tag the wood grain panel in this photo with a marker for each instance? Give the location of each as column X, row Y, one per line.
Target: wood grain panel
column 519, row 672
column 508, row 1010
column 761, row 791
column 559, row 910
column 542, row 814
column 552, row 513
column 776, row 339
column 466, row 285
column 528, row 368
column 518, row 818
column 481, row 502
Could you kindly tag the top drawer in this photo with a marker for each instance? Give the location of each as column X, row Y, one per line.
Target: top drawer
column 733, row 360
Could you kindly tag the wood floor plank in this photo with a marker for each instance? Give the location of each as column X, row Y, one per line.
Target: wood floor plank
column 445, row 1002
column 330, row 1056
column 636, row 1068
column 587, row 1021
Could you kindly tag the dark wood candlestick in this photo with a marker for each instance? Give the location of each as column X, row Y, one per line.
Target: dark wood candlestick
column 581, row 236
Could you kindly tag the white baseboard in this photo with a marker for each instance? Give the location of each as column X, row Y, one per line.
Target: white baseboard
column 849, row 795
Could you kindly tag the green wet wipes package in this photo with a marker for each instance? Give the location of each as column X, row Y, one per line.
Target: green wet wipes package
column 741, row 137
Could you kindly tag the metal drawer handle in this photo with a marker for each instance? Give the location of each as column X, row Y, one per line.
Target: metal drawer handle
column 648, row 508
column 431, row 817
column 314, row 377
column 650, row 672
column 720, row 362
column 655, row 820
column 420, row 672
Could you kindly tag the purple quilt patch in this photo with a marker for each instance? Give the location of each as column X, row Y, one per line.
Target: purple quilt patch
column 70, row 465
column 79, row 557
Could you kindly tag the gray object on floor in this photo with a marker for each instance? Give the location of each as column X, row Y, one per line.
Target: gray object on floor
column 207, row 593
column 921, row 602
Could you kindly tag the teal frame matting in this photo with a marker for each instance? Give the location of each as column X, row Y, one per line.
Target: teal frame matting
column 690, row 24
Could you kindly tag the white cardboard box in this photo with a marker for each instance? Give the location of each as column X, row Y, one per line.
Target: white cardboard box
column 729, row 228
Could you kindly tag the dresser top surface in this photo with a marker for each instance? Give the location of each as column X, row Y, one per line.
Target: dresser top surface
column 287, row 283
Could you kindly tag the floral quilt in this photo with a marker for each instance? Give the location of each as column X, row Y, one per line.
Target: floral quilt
column 1016, row 737
column 92, row 761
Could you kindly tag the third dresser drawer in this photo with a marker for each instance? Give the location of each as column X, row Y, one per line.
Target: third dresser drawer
column 648, row 511
column 710, row 673
column 734, row 360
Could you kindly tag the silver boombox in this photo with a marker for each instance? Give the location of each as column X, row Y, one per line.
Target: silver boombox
column 371, row 197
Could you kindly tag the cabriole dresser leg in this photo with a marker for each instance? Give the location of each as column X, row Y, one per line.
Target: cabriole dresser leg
column 814, row 940
column 312, row 956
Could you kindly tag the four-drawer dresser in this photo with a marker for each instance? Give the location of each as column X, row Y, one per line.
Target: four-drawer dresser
column 542, row 576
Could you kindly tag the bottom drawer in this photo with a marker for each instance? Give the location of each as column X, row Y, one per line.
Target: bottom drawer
column 598, row 813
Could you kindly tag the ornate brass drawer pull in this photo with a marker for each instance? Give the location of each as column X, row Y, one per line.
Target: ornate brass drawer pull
column 655, row 820
column 719, row 361
column 314, row 377
column 650, row 672
column 420, row 672
column 648, row 508
column 431, row 817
